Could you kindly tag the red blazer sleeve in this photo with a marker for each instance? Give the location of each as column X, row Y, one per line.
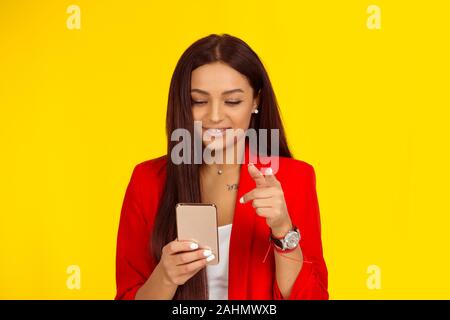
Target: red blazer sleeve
column 312, row 280
column 133, row 262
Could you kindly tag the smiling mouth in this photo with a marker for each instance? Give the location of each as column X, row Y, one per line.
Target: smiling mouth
column 217, row 132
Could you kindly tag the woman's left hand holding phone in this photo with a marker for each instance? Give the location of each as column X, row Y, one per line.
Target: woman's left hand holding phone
column 180, row 261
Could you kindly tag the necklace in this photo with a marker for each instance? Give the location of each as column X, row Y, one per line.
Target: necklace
column 220, row 171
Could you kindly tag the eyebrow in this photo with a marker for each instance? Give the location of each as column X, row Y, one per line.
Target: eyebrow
column 223, row 93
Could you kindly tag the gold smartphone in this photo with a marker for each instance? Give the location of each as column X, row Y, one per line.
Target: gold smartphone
column 198, row 222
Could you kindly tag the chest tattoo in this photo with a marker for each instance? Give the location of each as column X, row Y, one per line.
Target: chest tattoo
column 232, row 187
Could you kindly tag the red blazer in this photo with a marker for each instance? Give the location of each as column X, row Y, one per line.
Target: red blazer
column 249, row 277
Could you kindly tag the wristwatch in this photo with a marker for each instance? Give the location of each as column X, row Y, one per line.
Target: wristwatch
column 288, row 242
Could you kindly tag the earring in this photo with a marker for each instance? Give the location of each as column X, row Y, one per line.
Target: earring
column 255, row 111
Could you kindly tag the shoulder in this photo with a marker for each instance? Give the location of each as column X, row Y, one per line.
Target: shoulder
column 146, row 186
column 290, row 169
column 149, row 176
column 295, row 170
column 295, row 164
column 151, row 169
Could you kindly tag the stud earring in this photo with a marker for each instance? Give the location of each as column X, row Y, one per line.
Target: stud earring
column 255, row 111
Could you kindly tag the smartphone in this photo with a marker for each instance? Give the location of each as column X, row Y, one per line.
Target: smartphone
column 198, row 222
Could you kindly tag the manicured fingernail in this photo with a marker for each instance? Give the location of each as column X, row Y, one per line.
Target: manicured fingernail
column 194, row 246
column 241, row 199
column 210, row 258
column 268, row 171
column 207, row 253
column 250, row 164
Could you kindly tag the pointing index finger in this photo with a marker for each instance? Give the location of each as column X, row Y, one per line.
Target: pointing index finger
column 256, row 175
column 270, row 177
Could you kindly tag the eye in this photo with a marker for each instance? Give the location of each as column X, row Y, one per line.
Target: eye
column 198, row 102
column 233, row 102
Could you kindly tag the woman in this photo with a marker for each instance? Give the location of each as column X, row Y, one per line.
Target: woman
column 221, row 83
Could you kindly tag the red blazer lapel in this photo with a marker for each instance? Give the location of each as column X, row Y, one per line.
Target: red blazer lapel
column 241, row 236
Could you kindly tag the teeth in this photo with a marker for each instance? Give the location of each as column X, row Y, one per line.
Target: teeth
column 216, row 132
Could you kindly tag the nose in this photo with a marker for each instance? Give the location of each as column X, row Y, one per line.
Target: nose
column 215, row 113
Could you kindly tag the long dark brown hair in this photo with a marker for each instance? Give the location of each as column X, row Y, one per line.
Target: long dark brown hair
column 182, row 180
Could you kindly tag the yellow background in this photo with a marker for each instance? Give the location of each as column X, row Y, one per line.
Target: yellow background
column 367, row 108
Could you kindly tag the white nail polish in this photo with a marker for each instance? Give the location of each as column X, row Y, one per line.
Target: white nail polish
column 207, row 253
column 241, row 199
column 269, row 171
column 210, row 258
column 194, row 246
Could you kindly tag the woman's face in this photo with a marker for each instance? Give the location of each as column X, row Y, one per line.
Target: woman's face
column 222, row 98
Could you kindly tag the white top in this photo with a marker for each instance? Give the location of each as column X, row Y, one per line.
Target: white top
column 218, row 274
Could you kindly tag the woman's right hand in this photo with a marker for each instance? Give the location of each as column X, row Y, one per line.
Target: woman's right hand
column 181, row 260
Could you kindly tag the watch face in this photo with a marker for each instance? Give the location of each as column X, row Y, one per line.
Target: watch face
column 292, row 239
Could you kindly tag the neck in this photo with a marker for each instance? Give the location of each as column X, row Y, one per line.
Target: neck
column 215, row 168
column 223, row 165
